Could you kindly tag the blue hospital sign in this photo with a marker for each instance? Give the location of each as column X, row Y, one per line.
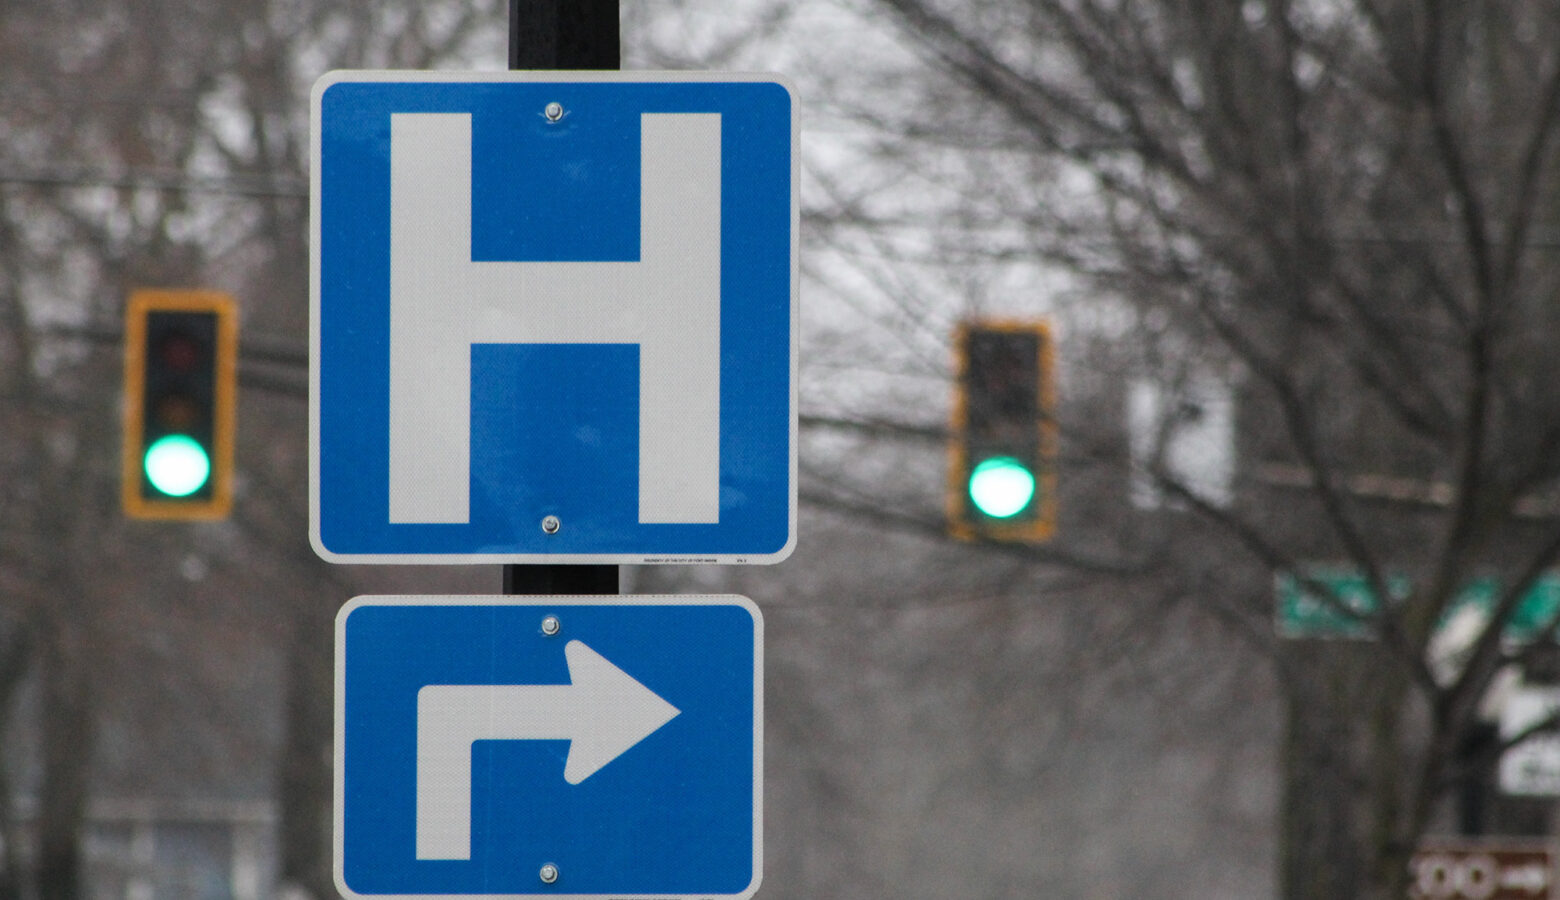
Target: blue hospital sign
column 561, row 298
column 602, row 747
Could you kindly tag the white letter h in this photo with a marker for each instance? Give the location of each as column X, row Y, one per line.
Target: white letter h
column 442, row 302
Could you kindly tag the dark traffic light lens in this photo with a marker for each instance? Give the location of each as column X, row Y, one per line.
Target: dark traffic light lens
column 179, row 352
column 176, row 412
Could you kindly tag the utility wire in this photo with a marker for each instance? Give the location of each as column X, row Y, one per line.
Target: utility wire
column 237, row 185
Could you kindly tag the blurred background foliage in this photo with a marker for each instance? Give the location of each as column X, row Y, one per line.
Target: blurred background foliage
column 1329, row 226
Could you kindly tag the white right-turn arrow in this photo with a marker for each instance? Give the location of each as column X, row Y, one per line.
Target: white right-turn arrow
column 602, row 712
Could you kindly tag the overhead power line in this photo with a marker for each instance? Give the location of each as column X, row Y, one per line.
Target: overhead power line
column 235, row 184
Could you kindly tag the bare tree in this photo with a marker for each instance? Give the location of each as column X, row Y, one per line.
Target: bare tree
column 165, row 145
column 1346, row 212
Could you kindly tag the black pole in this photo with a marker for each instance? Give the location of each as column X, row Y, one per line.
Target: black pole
column 563, row 34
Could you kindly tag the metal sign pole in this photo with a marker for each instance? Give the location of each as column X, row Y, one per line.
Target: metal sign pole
column 563, row 34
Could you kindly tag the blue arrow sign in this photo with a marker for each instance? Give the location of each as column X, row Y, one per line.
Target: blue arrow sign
column 553, row 297
column 549, row 746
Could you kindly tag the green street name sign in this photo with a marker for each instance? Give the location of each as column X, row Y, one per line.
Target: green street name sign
column 1301, row 613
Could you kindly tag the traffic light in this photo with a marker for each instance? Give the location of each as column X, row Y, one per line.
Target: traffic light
column 181, row 350
column 1001, row 473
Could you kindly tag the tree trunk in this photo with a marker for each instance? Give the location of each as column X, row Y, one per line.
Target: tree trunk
column 1321, row 853
column 306, row 766
column 67, row 752
column 15, row 657
column 1342, row 806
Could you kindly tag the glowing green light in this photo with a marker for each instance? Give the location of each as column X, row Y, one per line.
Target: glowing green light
column 1001, row 487
column 177, row 465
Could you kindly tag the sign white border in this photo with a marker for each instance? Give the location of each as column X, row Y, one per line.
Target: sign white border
column 338, row 840
column 627, row 77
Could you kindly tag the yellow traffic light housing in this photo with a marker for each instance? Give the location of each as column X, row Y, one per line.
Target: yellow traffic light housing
column 1001, row 471
column 181, row 367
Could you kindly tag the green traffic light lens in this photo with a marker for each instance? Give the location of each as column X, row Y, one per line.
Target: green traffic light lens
column 1001, row 487
column 177, row 465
